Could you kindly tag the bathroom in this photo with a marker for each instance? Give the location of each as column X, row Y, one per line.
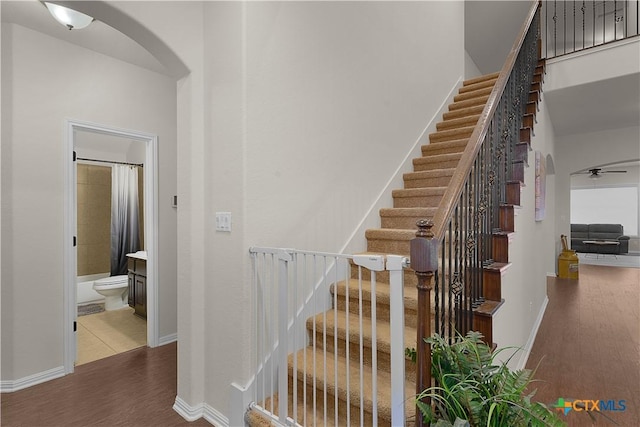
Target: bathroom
column 107, row 165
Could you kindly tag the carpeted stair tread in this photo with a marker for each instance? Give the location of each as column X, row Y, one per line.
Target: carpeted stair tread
column 333, row 370
column 479, row 85
column 426, row 212
column 383, row 292
column 336, row 321
column 451, row 134
column 417, row 197
column 486, row 77
column 481, row 100
column 436, row 177
column 469, row 120
column 463, row 112
column 419, row 192
column 485, row 91
column 436, row 161
column 404, row 218
column 456, row 146
column 390, row 234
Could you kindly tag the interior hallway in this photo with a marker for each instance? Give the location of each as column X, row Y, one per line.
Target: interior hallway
column 588, row 345
column 587, row 348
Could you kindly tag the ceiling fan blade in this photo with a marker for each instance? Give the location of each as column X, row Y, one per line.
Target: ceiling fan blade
column 613, row 171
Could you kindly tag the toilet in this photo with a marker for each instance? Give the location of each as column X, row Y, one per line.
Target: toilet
column 115, row 291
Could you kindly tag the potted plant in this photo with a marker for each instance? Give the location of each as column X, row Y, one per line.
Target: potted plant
column 472, row 389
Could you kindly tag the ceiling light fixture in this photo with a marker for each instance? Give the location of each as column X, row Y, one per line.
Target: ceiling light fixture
column 70, row 18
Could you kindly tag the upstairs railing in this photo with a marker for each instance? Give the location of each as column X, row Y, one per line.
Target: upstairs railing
column 571, row 26
column 469, row 214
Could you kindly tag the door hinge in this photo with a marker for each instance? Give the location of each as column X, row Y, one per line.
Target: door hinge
column 74, row 241
column 75, row 326
column 74, row 156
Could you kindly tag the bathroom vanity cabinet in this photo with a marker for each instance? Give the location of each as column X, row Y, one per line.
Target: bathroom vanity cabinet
column 138, row 286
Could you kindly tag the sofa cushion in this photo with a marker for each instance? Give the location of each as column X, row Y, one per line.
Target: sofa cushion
column 580, row 231
column 605, row 231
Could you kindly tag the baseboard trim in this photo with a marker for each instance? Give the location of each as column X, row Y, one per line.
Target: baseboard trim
column 188, row 412
column 167, row 339
column 8, row 386
column 534, row 332
column 202, row 410
column 215, row 417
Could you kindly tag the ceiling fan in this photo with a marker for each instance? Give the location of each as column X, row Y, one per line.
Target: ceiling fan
column 596, row 173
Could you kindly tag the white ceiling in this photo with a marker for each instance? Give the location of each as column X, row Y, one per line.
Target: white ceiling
column 98, row 36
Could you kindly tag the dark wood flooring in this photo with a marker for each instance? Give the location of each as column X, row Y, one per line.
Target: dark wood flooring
column 588, row 345
column 136, row 388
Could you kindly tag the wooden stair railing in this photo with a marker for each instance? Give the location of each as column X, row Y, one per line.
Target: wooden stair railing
column 474, row 219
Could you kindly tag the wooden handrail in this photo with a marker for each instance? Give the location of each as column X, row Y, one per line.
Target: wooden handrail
column 455, row 187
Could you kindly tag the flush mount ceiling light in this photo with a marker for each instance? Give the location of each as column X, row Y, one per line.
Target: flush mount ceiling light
column 70, row 18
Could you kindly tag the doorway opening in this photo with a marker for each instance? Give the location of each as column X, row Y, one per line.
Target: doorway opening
column 94, row 150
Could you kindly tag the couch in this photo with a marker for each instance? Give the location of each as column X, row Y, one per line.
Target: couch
column 606, row 232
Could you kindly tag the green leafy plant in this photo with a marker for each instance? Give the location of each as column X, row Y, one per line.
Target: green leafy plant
column 473, row 389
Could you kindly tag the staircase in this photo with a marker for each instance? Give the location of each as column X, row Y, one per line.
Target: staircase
column 419, row 199
column 468, row 181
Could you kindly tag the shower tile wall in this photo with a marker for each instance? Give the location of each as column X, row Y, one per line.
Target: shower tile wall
column 94, row 219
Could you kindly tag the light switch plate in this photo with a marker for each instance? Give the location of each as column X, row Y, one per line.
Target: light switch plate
column 223, row 221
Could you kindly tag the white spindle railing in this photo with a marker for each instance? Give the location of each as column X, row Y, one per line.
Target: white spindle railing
column 299, row 363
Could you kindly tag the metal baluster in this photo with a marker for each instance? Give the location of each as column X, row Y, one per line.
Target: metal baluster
column 594, row 23
column 564, row 29
column 615, row 20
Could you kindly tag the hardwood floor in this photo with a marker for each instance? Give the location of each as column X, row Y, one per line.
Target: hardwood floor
column 588, row 345
column 136, row 388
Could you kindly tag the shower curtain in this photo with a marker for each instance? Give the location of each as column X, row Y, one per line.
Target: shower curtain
column 124, row 216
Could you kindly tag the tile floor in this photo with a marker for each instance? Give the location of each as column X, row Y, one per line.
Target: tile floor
column 110, row 332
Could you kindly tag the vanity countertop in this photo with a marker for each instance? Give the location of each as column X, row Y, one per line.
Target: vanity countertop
column 139, row 255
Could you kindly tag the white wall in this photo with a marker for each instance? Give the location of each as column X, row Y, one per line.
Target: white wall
column 282, row 123
column 44, row 82
column 532, row 253
column 333, row 97
column 580, row 151
column 612, row 180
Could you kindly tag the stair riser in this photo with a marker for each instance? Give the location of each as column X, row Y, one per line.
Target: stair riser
column 468, row 103
column 426, row 165
column 441, row 181
column 330, row 407
column 444, row 148
column 464, row 112
column 388, row 246
column 451, row 135
column 489, row 77
column 460, row 122
column 478, row 92
column 401, row 222
column 416, row 202
column 476, row 86
column 383, row 311
column 383, row 359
